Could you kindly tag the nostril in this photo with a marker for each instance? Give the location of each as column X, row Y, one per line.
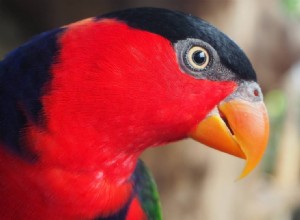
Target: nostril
column 256, row 93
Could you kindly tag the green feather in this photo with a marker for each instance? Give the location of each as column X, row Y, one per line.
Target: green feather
column 147, row 192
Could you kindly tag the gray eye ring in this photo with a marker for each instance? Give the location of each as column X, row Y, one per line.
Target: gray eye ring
column 211, row 68
column 187, row 49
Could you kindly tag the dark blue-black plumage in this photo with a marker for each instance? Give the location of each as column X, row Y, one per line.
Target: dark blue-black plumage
column 23, row 75
column 175, row 26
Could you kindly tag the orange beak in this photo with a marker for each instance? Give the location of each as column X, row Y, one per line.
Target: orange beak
column 236, row 127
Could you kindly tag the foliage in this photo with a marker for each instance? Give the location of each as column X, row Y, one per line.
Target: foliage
column 292, row 7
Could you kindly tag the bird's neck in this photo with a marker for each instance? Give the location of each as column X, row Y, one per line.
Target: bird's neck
column 85, row 152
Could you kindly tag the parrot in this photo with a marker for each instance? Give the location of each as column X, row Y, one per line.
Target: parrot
column 79, row 104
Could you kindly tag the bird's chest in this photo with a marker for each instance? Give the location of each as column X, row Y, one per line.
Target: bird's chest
column 43, row 193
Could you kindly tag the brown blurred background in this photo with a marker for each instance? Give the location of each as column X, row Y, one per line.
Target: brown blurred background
column 196, row 182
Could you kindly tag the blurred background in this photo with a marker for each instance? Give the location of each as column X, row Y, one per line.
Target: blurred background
column 195, row 182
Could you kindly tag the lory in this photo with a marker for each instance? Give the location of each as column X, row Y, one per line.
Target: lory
column 80, row 103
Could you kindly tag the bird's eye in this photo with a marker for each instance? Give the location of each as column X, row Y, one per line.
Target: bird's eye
column 197, row 58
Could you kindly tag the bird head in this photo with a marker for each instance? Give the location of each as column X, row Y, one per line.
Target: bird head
column 143, row 77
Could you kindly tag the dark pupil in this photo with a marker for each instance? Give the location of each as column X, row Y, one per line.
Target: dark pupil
column 199, row 57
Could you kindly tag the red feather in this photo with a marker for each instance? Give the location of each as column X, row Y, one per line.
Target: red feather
column 135, row 211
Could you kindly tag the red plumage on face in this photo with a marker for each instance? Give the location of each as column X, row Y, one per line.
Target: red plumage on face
column 115, row 91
